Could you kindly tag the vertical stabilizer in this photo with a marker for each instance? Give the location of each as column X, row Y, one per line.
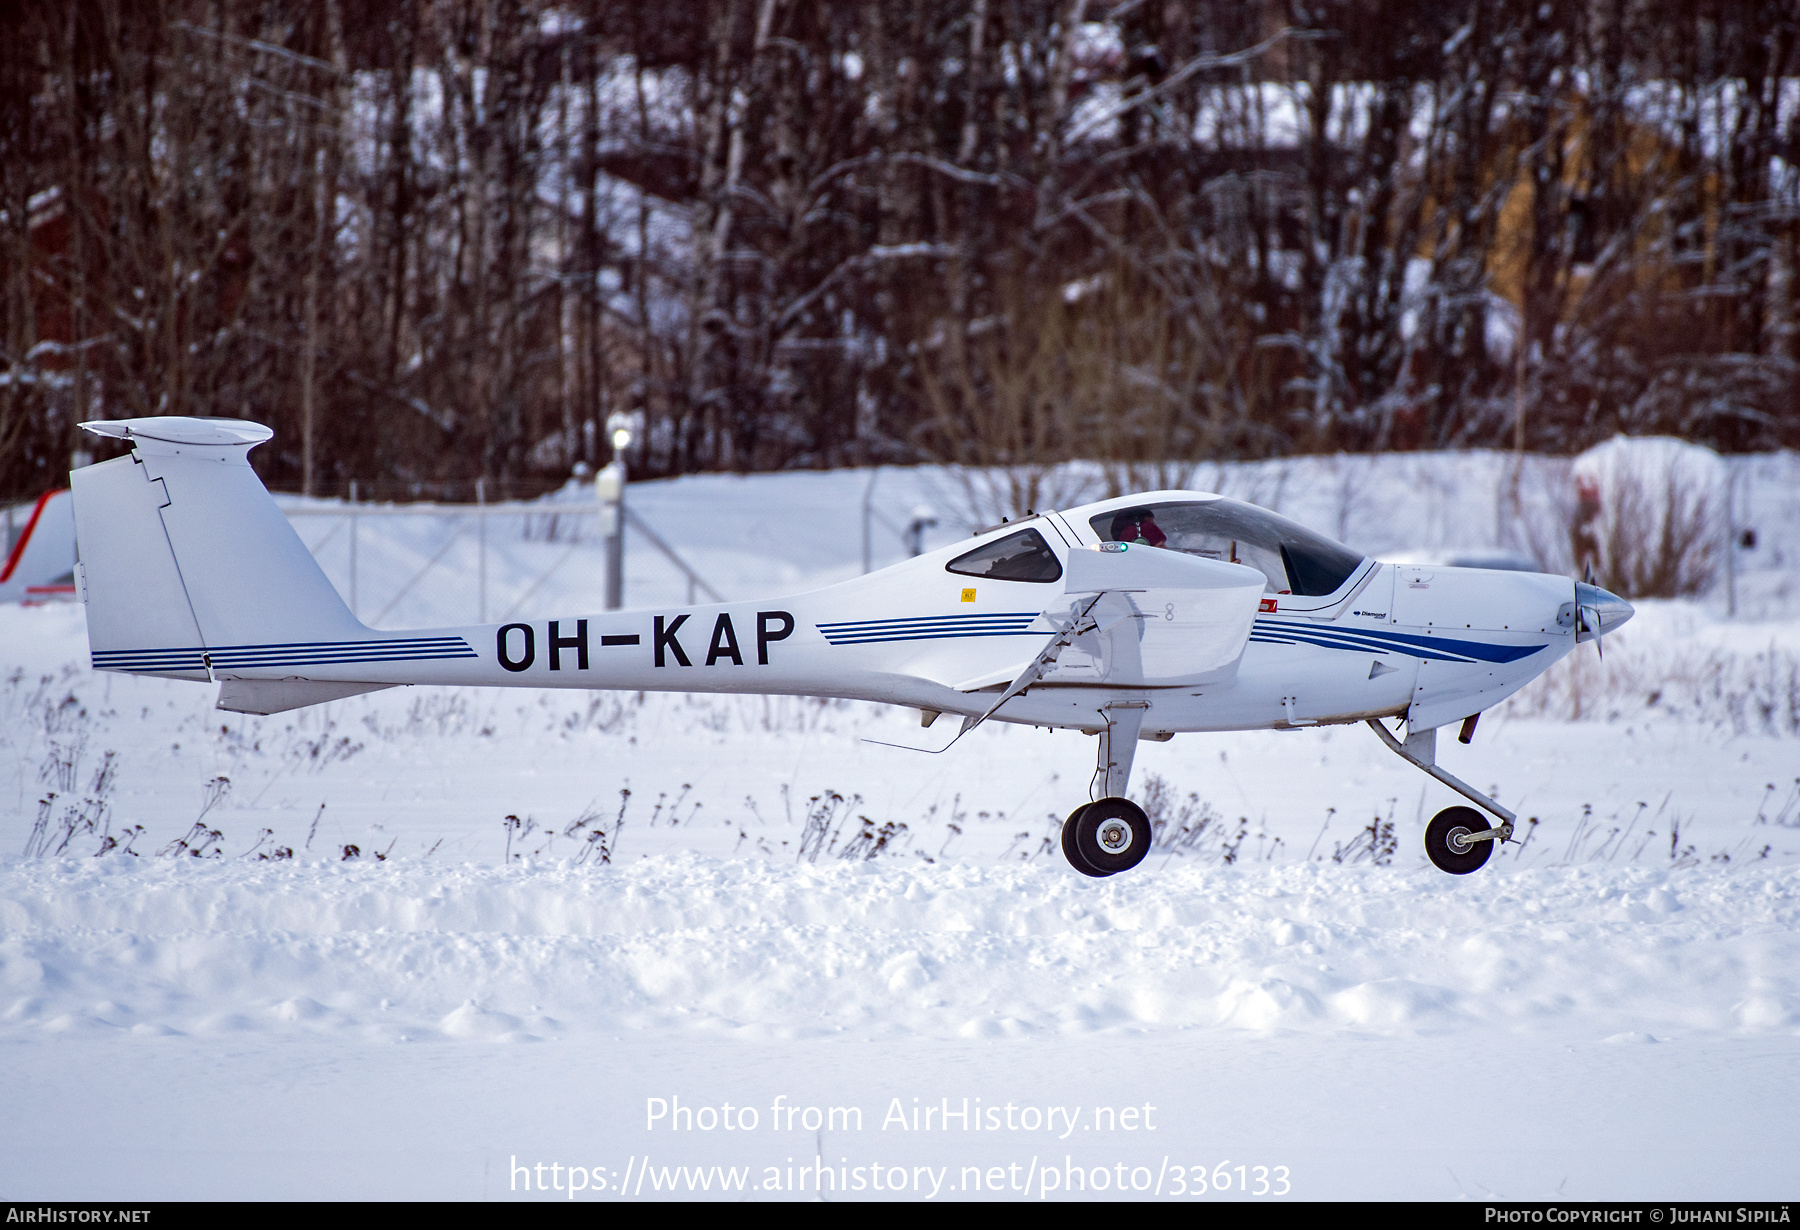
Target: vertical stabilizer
column 183, row 552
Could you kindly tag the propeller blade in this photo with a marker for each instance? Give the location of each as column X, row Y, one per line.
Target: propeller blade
column 1597, row 613
column 1590, row 622
column 1587, row 618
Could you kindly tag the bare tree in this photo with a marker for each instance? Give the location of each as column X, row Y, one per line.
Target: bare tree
column 437, row 241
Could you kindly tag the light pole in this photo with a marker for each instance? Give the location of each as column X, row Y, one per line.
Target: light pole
column 609, row 487
column 924, row 517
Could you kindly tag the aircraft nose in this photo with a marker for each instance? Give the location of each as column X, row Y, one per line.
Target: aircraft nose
column 1608, row 609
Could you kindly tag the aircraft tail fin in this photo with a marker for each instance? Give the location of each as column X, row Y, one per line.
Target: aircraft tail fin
column 187, row 565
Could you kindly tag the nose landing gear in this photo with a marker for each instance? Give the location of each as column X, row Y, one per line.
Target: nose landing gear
column 1458, row 839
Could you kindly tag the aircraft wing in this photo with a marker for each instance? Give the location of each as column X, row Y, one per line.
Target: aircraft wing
column 1140, row 617
column 1161, row 618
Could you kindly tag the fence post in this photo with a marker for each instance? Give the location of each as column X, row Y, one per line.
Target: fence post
column 609, row 488
column 353, row 548
column 869, row 511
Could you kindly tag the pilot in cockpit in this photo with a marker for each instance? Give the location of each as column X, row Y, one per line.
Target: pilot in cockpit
column 1138, row 525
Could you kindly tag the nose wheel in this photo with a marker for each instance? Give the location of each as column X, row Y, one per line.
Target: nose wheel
column 1107, row 837
column 1458, row 839
column 1450, row 841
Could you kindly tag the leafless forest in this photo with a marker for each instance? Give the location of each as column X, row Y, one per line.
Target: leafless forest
column 431, row 241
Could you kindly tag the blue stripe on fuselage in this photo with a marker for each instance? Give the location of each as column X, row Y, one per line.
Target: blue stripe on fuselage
column 1431, row 648
column 927, row 627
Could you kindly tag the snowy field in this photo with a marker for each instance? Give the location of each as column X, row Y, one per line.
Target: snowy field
column 573, row 929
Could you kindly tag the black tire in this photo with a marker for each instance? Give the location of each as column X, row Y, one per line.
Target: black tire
column 1107, row 837
column 1442, row 840
column 1068, row 844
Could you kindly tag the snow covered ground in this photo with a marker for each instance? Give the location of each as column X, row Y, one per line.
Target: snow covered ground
column 522, row 964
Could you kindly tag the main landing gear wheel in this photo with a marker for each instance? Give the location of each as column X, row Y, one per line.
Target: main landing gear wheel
column 1105, row 838
column 1068, row 843
column 1447, row 844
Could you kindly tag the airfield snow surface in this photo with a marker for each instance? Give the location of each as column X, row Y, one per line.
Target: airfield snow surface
column 844, row 941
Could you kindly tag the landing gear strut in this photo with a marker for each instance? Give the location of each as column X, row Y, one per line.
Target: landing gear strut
column 1111, row 834
column 1458, row 839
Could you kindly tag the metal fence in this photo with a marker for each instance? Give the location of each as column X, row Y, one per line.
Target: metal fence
column 415, row 564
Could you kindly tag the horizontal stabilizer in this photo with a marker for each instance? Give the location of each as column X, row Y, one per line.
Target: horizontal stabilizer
column 265, row 696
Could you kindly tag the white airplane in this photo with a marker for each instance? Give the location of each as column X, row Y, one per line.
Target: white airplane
column 1134, row 618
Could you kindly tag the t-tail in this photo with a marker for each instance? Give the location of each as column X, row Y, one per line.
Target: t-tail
column 190, row 571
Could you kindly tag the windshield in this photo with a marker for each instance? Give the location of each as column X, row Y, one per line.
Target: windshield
column 1292, row 558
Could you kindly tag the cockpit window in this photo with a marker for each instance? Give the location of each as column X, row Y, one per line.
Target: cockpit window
column 1292, row 558
column 1024, row 556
